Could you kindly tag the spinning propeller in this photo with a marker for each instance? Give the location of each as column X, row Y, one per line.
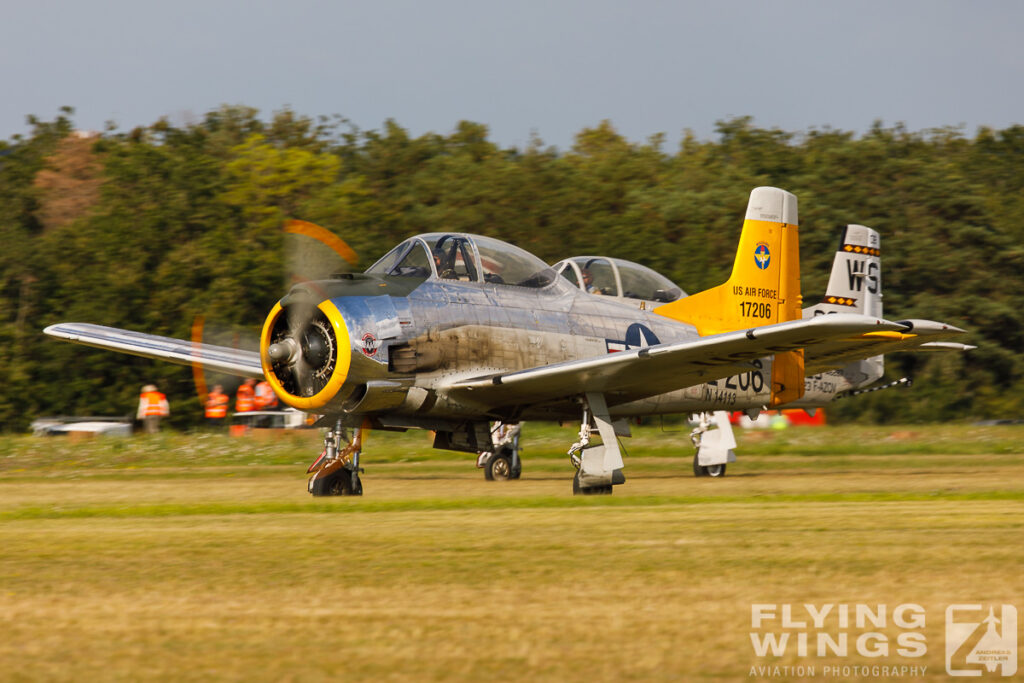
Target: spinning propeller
column 303, row 348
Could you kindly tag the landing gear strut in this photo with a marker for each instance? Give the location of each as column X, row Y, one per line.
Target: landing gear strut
column 336, row 471
column 598, row 468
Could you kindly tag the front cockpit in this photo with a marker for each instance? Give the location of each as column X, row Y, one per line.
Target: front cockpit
column 618, row 278
column 460, row 257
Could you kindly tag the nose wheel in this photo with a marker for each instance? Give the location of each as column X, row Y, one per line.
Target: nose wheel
column 336, row 472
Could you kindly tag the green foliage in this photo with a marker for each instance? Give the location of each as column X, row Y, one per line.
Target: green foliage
column 187, row 221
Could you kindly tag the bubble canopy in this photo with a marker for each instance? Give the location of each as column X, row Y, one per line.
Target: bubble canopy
column 618, row 278
column 463, row 257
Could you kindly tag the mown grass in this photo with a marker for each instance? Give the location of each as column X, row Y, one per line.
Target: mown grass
column 541, row 441
column 171, row 560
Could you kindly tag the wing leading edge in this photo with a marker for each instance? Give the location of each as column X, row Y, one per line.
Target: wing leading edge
column 213, row 358
column 638, row 373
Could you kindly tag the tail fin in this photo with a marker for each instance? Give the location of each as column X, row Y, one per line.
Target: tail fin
column 855, row 286
column 764, row 287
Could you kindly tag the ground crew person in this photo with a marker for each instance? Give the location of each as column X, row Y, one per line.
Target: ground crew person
column 216, row 406
column 245, row 399
column 152, row 406
column 266, row 399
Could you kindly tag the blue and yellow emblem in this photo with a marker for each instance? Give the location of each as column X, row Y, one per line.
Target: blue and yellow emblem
column 762, row 257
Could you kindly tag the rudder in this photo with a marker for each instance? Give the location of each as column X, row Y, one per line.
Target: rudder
column 855, row 286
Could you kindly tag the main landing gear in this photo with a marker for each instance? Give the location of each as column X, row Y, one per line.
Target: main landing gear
column 598, row 468
column 336, row 471
column 714, row 441
column 502, row 463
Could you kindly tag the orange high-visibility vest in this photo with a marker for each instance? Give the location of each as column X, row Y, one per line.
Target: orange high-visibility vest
column 244, row 401
column 217, row 405
column 265, row 396
column 154, row 404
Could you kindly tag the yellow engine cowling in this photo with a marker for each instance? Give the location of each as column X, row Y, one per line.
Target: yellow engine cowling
column 305, row 353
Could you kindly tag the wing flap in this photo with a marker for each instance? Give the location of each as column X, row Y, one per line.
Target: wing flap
column 211, row 357
column 634, row 374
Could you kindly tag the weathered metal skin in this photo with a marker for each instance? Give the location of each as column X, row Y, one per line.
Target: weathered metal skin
column 445, row 311
column 444, row 331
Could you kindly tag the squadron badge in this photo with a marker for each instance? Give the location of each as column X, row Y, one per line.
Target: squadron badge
column 762, row 257
column 370, row 344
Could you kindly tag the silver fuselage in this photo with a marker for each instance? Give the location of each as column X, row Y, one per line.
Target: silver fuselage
column 407, row 349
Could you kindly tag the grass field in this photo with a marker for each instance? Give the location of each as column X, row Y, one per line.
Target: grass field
column 198, row 557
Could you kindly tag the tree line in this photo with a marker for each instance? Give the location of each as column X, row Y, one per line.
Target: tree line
column 147, row 229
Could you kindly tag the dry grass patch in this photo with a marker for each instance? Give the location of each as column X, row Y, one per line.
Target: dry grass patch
column 438, row 575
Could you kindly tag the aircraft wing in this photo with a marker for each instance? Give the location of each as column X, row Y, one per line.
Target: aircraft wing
column 634, row 374
column 919, row 335
column 211, row 357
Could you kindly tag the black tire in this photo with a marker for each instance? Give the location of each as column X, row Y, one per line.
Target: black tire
column 325, row 485
column 337, row 484
column 498, row 468
column 708, row 470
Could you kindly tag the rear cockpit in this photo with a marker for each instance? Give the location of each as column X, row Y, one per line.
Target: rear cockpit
column 618, row 278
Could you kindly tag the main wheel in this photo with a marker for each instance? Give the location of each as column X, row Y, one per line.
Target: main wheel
column 707, row 470
column 499, row 468
column 578, row 490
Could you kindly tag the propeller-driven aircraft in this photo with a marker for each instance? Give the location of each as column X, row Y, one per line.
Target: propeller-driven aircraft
column 451, row 331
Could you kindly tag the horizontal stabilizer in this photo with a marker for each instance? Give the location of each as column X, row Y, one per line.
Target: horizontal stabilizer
column 915, row 334
column 213, row 358
column 944, row 346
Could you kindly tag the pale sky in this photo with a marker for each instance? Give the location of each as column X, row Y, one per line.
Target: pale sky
column 544, row 67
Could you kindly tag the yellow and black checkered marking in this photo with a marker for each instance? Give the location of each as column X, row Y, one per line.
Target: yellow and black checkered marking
column 840, row 301
column 867, row 251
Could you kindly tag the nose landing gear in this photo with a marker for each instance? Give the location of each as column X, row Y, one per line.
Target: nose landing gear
column 336, row 472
